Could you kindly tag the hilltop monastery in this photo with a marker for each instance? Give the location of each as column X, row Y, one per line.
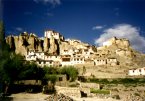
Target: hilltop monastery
column 73, row 56
column 55, row 50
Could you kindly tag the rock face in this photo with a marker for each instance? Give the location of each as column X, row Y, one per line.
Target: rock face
column 25, row 42
column 54, row 46
column 46, row 44
column 11, row 42
column 120, row 43
column 31, row 42
column 40, row 45
column 20, row 45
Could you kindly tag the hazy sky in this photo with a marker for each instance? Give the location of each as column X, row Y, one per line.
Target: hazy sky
column 92, row 21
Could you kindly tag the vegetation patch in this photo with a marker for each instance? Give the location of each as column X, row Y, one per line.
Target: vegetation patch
column 100, row 91
column 124, row 81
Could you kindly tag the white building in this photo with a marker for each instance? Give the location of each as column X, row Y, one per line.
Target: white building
column 52, row 57
column 55, row 35
column 136, row 72
column 66, row 60
column 67, row 52
column 77, row 59
column 45, row 63
column 33, row 55
column 71, row 60
column 105, row 61
column 112, row 61
column 100, row 61
column 72, row 41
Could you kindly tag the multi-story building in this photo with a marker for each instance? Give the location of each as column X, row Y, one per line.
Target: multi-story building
column 55, row 35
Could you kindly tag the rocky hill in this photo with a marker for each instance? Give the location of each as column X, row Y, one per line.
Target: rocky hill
column 25, row 42
column 122, row 50
column 113, row 48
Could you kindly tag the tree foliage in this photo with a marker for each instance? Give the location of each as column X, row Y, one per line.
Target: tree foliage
column 30, row 70
column 71, row 72
column 10, row 67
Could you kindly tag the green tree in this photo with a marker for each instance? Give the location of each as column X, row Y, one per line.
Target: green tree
column 50, row 74
column 10, row 66
column 70, row 71
column 30, row 70
column 50, row 70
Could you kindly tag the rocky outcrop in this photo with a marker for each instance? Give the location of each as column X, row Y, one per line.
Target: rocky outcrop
column 64, row 46
column 20, row 45
column 25, row 42
column 120, row 43
column 54, row 46
column 114, row 47
column 46, row 44
column 40, row 45
column 11, row 42
column 31, row 42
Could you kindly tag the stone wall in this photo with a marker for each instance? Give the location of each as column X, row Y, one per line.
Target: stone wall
column 69, row 91
column 90, row 85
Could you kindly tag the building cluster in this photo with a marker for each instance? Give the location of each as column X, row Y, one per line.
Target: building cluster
column 77, row 55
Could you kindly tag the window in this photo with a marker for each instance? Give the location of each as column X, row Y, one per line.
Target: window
column 65, row 59
column 60, row 78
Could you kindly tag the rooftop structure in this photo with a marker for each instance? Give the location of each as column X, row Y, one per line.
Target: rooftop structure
column 55, row 35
